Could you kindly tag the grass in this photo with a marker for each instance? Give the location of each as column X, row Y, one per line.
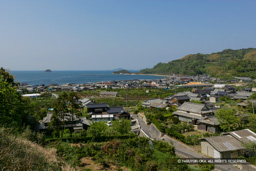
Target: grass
column 20, row 154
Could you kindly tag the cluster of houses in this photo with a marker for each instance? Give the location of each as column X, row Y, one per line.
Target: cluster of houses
column 198, row 81
column 201, row 114
column 198, row 107
column 96, row 111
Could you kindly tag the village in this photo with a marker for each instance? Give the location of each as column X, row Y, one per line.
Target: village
column 201, row 116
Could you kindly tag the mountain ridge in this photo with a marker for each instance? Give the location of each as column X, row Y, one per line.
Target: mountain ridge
column 225, row 64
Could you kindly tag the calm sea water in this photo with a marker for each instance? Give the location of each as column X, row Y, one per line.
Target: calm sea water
column 78, row 77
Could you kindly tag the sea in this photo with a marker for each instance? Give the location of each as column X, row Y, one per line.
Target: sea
column 77, row 77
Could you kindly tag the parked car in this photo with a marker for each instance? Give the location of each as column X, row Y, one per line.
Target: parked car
column 109, row 123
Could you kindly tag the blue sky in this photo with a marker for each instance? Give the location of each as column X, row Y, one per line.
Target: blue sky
column 109, row 34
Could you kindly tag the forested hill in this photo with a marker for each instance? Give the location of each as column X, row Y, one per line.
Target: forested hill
column 225, row 64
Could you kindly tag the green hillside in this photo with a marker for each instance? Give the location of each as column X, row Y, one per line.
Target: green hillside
column 225, row 64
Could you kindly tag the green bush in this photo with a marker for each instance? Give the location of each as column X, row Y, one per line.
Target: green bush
column 30, row 135
column 135, row 153
column 71, row 154
column 192, row 139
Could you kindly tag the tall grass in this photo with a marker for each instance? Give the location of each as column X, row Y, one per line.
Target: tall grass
column 18, row 154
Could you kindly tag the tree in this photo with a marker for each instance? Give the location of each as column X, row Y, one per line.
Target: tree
column 11, row 104
column 122, row 126
column 227, row 119
column 66, row 102
column 73, row 104
column 97, row 129
column 252, row 97
column 7, row 77
column 251, row 146
column 60, row 108
column 252, row 122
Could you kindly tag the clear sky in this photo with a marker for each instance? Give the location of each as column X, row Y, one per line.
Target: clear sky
column 109, row 34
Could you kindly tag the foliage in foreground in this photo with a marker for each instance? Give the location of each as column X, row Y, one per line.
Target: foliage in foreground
column 11, row 104
column 17, row 154
column 135, row 153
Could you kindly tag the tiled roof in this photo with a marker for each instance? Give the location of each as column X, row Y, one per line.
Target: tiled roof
column 97, row 105
column 188, row 115
column 224, row 143
column 210, row 120
column 158, row 105
column 115, row 110
column 192, row 107
column 245, row 135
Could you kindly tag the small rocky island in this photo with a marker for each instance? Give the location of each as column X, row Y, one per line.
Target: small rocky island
column 123, row 71
column 48, row 70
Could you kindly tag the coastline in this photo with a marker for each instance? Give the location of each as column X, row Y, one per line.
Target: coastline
column 158, row 75
column 78, row 77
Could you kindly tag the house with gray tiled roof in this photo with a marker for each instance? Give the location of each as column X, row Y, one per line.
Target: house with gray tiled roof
column 244, row 136
column 71, row 121
column 102, row 112
column 108, row 93
column 229, row 145
column 199, row 115
column 85, row 102
column 222, row 147
column 243, row 95
column 191, row 111
column 155, row 103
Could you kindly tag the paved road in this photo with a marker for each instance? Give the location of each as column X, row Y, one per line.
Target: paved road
column 181, row 149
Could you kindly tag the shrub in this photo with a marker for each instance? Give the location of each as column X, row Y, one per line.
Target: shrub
column 71, row 154
column 37, row 137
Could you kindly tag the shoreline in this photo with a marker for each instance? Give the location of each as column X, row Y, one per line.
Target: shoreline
column 77, row 77
column 156, row 75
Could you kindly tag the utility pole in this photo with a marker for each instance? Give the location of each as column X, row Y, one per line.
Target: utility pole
column 175, row 87
column 126, row 96
column 252, row 107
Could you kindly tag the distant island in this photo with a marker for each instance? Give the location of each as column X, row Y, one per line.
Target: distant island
column 226, row 64
column 123, row 71
column 48, row 70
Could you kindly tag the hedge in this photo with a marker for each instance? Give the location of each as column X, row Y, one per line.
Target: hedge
column 88, row 139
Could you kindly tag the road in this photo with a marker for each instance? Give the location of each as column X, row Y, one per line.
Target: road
column 181, row 149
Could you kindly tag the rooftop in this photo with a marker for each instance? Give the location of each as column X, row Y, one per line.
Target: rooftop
column 193, row 107
column 224, row 143
column 98, row 105
column 244, row 136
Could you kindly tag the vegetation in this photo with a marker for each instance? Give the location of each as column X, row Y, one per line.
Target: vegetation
column 225, row 64
column 115, row 102
column 18, row 154
column 165, row 121
column 66, row 103
column 12, row 112
column 131, row 94
column 251, row 146
column 121, row 72
column 114, row 145
column 227, row 119
column 252, row 123
column 38, row 107
column 136, row 153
